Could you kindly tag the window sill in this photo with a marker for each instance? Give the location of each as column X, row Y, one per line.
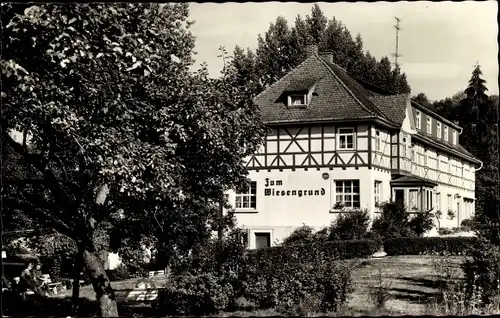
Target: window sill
column 246, row 211
column 345, row 149
column 345, row 210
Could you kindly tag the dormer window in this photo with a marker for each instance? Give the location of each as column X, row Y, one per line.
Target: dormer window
column 439, row 130
column 445, row 133
column 417, row 119
column 454, row 137
column 297, row 100
column 428, row 125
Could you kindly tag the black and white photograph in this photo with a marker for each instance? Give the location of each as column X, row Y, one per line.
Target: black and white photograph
column 250, row 159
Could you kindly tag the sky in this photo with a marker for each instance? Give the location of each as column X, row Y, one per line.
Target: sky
column 440, row 42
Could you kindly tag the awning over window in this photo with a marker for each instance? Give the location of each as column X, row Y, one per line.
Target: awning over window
column 411, row 181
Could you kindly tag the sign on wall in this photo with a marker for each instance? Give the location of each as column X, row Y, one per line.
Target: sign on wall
column 275, row 188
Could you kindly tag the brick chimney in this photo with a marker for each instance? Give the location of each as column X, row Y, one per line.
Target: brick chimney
column 311, row 49
column 327, row 55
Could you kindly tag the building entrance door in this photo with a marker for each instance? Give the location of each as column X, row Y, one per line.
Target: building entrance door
column 262, row 240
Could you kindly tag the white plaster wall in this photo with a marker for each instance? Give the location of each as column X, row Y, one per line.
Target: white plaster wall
column 281, row 214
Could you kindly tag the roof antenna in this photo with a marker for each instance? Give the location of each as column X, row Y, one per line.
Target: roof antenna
column 398, row 28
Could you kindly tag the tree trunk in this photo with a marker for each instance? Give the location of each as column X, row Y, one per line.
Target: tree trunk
column 104, row 292
column 76, row 281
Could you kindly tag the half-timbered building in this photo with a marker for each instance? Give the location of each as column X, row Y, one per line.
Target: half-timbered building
column 336, row 143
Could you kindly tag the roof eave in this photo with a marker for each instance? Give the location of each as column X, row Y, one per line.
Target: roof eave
column 378, row 120
column 444, row 120
column 454, row 151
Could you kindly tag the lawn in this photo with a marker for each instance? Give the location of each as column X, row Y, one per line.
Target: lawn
column 411, row 281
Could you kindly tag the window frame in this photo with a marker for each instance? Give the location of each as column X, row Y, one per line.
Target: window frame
column 415, row 198
column 438, row 130
column 340, row 134
column 445, row 133
column 428, row 125
column 249, row 195
column 343, row 194
column 404, row 142
column 417, row 119
column 454, row 137
column 378, row 142
column 377, row 191
column 292, row 96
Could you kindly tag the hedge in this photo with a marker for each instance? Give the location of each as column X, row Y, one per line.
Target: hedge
column 339, row 250
column 429, row 245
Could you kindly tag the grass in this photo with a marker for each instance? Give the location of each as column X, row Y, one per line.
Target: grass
column 411, row 281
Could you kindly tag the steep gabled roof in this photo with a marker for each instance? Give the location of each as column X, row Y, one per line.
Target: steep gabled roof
column 394, row 106
column 335, row 96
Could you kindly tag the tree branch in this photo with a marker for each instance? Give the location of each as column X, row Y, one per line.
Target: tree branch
column 51, row 182
column 36, row 213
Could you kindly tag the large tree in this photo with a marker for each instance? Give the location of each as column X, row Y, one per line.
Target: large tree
column 477, row 114
column 113, row 121
column 283, row 47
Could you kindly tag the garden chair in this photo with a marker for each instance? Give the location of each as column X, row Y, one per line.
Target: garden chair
column 54, row 287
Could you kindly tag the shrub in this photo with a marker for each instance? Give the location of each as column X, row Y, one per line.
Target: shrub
column 301, row 235
column 469, row 224
column 188, row 294
column 318, row 283
column 482, row 271
column 392, row 222
column 350, row 226
column 429, row 245
column 121, row 272
column 445, row 231
column 280, row 275
column 321, row 235
column 225, row 259
column 395, row 221
column 380, row 292
column 421, row 223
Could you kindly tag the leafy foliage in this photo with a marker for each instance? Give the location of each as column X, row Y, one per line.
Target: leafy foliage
column 283, row 47
column 301, row 235
column 350, row 226
column 113, row 123
column 285, row 281
column 194, row 295
column 421, row 223
column 395, row 221
column 482, row 271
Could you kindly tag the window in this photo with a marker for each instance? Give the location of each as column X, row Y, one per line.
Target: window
column 297, row 100
column 248, row 199
column 444, row 165
column 404, row 148
column 377, row 140
column 347, row 193
column 445, row 133
column 417, row 119
column 449, row 203
column 428, row 200
column 414, row 200
column 425, row 157
column 377, row 192
column 438, row 201
column 262, row 240
column 454, row 137
column 428, row 125
column 439, row 130
column 346, row 138
column 413, row 153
